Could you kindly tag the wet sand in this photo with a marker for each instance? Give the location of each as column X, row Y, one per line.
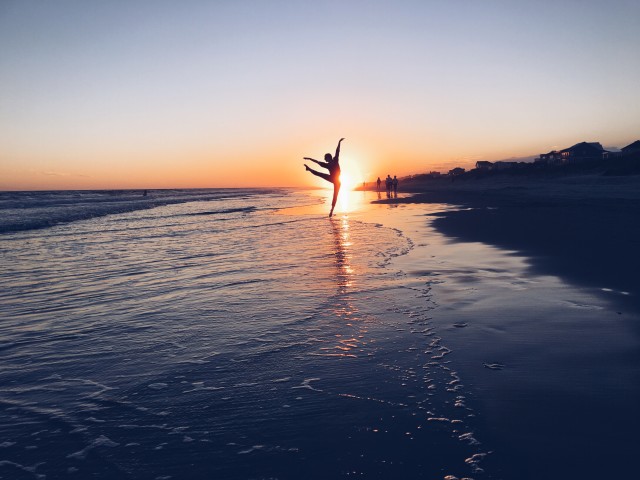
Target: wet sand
column 537, row 292
column 584, row 229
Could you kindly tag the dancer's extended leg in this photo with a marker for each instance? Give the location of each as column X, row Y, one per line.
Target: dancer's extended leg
column 336, row 185
column 319, row 174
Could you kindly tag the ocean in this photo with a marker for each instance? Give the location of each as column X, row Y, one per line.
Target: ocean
column 220, row 334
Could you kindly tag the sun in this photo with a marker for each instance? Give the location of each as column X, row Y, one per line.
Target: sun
column 347, row 181
column 350, row 178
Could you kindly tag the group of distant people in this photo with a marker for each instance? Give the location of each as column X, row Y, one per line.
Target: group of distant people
column 391, row 183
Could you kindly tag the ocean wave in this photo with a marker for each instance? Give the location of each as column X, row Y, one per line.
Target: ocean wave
column 22, row 211
column 223, row 211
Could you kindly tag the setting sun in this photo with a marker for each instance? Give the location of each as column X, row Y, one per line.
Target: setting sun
column 350, row 176
column 347, row 181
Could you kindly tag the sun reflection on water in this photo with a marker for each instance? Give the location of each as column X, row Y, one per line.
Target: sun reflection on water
column 343, row 244
column 350, row 344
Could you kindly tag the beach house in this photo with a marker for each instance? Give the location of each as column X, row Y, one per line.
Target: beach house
column 552, row 158
column 631, row 148
column 483, row 165
column 583, row 152
column 504, row 165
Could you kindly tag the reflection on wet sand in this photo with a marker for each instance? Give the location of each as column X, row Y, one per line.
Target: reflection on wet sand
column 343, row 245
column 343, row 307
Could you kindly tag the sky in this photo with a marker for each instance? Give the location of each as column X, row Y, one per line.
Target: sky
column 176, row 94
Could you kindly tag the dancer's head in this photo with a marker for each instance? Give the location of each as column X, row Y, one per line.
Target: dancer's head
column 328, row 157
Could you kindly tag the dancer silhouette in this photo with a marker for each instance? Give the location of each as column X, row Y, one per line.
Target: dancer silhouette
column 332, row 164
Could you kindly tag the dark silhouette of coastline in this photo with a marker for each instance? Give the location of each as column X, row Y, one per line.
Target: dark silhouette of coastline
column 584, row 158
column 574, row 212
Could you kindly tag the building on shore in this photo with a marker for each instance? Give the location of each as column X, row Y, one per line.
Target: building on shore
column 552, row 158
column 580, row 152
column 484, row 165
column 504, row 165
column 583, row 152
column 631, row 148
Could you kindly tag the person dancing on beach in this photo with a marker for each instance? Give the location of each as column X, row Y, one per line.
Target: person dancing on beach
column 332, row 164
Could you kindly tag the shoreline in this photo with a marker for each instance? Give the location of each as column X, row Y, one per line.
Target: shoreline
column 583, row 229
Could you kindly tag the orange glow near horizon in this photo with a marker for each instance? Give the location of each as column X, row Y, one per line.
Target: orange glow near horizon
column 195, row 98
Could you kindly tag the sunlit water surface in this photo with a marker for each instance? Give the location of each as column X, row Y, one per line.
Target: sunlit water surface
column 209, row 335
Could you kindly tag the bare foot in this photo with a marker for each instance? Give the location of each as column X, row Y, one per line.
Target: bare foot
column 306, row 167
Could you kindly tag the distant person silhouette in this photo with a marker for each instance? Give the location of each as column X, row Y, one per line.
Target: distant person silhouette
column 378, row 182
column 332, row 164
column 389, row 183
column 395, row 186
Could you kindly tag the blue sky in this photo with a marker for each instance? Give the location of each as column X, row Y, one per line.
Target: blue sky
column 121, row 94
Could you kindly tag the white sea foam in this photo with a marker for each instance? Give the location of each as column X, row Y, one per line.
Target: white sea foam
column 469, row 438
column 474, row 461
column 306, row 383
column 101, row 441
column 158, row 386
column 29, row 469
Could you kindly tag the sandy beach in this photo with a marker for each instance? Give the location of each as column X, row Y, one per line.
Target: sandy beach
column 538, row 297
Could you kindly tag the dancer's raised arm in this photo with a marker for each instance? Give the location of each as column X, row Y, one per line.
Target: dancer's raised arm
column 337, row 155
